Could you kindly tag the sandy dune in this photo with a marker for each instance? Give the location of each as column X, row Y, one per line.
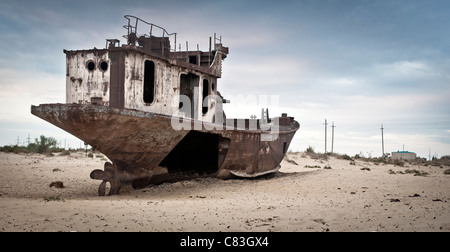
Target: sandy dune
column 343, row 198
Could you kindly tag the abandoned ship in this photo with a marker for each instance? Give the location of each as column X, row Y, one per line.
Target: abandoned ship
column 157, row 114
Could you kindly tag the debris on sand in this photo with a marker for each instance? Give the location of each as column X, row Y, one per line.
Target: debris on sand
column 57, row 184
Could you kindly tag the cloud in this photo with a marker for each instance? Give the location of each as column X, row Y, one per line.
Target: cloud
column 20, row 90
column 343, row 82
column 406, row 71
column 411, row 68
column 260, row 72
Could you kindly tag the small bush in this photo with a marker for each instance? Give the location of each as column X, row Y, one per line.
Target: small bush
column 65, row 153
column 310, row 166
column 53, row 198
column 398, row 162
column 310, row 150
column 377, row 161
column 317, row 156
column 45, row 143
column 14, row 149
column 416, row 172
column 347, row 157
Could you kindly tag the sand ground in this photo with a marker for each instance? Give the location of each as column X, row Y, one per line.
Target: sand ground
column 343, row 198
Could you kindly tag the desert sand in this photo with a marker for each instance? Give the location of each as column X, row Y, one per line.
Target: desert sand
column 360, row 197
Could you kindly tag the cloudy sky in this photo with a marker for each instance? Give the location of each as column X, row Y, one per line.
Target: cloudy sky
column 358, row 64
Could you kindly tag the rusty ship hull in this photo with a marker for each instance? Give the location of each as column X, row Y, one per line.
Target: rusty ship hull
column 145, row 148
column 127, row 101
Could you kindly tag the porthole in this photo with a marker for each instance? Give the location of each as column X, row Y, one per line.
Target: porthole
column 104, row 66
column 90, row 65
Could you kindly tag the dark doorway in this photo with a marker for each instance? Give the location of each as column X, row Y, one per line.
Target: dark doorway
column 188, row 86
column 149, row 81
column 205, row 94
column 196, row 152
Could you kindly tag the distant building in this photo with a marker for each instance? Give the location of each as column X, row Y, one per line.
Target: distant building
column 404, row 155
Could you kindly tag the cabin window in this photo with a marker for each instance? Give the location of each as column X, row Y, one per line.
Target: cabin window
column 284, row 147
column 213, row 87
column 90, row 65
column 205, row 94
column 149, row 81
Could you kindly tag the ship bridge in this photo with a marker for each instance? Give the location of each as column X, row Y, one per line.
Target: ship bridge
column 148, row 74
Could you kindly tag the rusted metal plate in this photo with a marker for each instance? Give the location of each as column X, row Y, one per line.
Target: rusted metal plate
column 137, row 143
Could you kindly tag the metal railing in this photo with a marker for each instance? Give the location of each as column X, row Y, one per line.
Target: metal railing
column 132, row 29
column 151, row 30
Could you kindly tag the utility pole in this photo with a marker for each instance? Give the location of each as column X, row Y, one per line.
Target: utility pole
column 326, row 136
column 332, row 136
column 382, row 141
column 28, row 139
column 18, row 141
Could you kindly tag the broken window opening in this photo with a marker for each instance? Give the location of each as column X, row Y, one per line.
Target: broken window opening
column 193, row 59
column 149, row 81
column 284, row 147
column 205, row 95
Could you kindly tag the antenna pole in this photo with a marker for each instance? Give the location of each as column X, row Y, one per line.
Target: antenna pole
column 326, row 136
column 332, row 136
